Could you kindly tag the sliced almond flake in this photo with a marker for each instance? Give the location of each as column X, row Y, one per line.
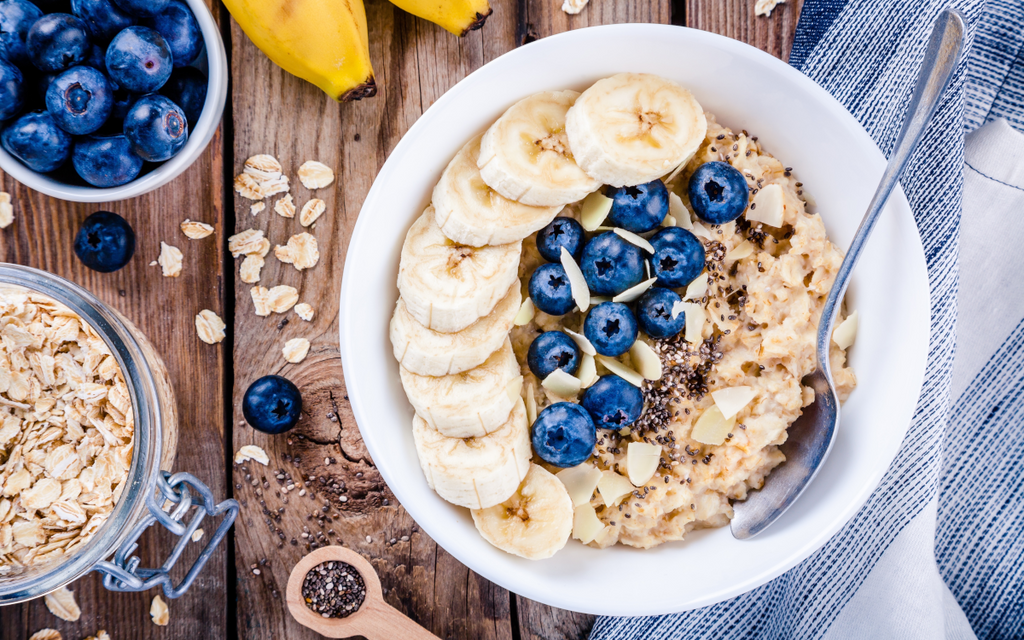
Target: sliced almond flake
column 246, row 242
column 526, row 313
column 580, row 481
column 301, row 252
column 249, row 271
column 587, row 373
column 6, row 210
column 315, row 175
column 263, row 167
column 696, row 289
column 252, row 452
column 562, row 384
column 631, row 294
column 696, row 317
column 305, row 311
column 621, row 370
column 642, row 460
column 740, row 251
column 595, row 209
column 712, row 427
column 530, row 401
column 197, row 535
column 596, row 300
column 646, row 362
column 669, row 220
column 845, row 334
column 257, row 207
column 767, row 206
column 613, row 487
column 634, row 239
column 582, row 342
column 701, row 231
column 61, row 603
column 577, row 283
column 159, row 612
column 295, row 350
column 678, row 211
column 282, row 298
column 285, row 207
column 46, row 634
column 261, row 300
column 196, row 230
column 311, row 211
column 731, row 400
column 210, row 327
column 170, row 260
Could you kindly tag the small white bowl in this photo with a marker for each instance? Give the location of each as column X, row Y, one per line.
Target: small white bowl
column 804, row 127
column 198, row 138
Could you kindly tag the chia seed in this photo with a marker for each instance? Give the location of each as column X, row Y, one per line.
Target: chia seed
column 333, row 589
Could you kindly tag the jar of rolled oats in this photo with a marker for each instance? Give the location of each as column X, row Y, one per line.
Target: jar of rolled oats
column 88, row 431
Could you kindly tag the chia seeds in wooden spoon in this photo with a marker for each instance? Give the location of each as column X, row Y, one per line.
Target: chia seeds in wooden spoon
column 333, row 589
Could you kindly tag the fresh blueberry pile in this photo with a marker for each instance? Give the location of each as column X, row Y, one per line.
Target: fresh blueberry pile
column 564, row 433
column 109, row 86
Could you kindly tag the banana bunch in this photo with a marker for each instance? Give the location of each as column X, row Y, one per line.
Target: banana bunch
column 325, row 41
column 460, row 292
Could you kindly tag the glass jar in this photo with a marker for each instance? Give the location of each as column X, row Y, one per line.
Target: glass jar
column 148, row 486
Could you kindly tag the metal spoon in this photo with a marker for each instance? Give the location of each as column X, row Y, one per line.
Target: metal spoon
column 811, row 436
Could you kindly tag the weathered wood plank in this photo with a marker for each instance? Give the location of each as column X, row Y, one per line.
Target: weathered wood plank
column 736, row 19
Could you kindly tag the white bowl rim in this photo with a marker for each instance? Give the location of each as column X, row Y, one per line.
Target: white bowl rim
column 206, row 126
column 532, row 587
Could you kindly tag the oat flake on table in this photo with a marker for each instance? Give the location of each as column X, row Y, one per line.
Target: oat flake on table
column 249, row 272
column 247, row 242
column 301, row 251
column 305, row 311
column 257, row 207
column 261, row 178
column 210, row 327
column 252, row 452
column 6, row 210
column 295, row 350
column 170, row 260
column 197, row 535
column 572, row 7
column 765, row 7
column 282, row 298
column 315, row 175
column 285, row 207
column 260, row 300
column 100, row 635
column 196, row 230
column 159, row 612
column 311, row 211
column 46, row 634
column 61, row 603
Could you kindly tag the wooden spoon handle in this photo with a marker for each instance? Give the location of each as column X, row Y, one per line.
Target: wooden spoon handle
column 388, row 623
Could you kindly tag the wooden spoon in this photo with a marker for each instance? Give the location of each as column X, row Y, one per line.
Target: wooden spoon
column 375, row 619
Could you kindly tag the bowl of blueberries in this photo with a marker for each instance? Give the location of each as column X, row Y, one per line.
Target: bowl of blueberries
column 103, row 100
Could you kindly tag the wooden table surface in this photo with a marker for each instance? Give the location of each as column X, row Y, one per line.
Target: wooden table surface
column 272, row 112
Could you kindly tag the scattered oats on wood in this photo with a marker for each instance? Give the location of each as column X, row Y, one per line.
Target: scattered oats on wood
column 46, row 634
column 61, row 603
column 260, row 178
column 249, row 272
column 263, row 166
column 260, row 300
column 282, row 298
column 301, row 251
column 311, row 211
column 197, row 535
column 100, row 635
column 158, row 612
column 252, row 452
column 764, row 7
column 285, row 207
column 257, row 207
column 572, row 7
column 247, row 242
column 295, row 350
column 315, row 175
column 170, row 260
column 196, row 230
column 210, row 327
column 248, row 187
column 6, row 210
column 305, row 311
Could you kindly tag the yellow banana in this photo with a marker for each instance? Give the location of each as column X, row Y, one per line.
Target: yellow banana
column 458, row 16
column 322, row 41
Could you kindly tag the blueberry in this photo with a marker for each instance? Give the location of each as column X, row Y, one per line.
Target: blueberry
column 180, row 30
column 564, row 434
column 611, row 265
column 553, row 350
column 550, row 289
column 105, row 242
column 16, row 18
column 718, row 192
column 187, row 89
column 106, row 161
column 611, row 327
column 141, row 8
column 12, row 90
column 654, row 313
column 678, row 257
column 102, row 18
column 139, row 60
column 80, row 100
column 639, row 208
column 561, row 232
column 37, row 141
column 272, row 404
column 156, row 128
column 613, row 403
column 58, row 41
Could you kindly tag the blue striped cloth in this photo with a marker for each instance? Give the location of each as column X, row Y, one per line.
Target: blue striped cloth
column 938, row 550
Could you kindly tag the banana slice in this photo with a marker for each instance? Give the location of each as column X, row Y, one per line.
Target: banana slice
column 534, row 523
column 634, row 127
column 471, row 213
column 525, row 155
column 430, row 353
column 475, row 472
column 447, row 286
column 468, row 404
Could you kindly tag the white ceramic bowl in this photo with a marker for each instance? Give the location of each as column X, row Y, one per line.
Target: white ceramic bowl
column 198, row 138
column 800, row 124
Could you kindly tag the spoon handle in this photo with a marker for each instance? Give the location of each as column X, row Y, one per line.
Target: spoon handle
column 388, row 623
column 944, row 49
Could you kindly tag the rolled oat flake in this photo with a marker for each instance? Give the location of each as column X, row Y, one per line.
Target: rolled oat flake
column 333, row 589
